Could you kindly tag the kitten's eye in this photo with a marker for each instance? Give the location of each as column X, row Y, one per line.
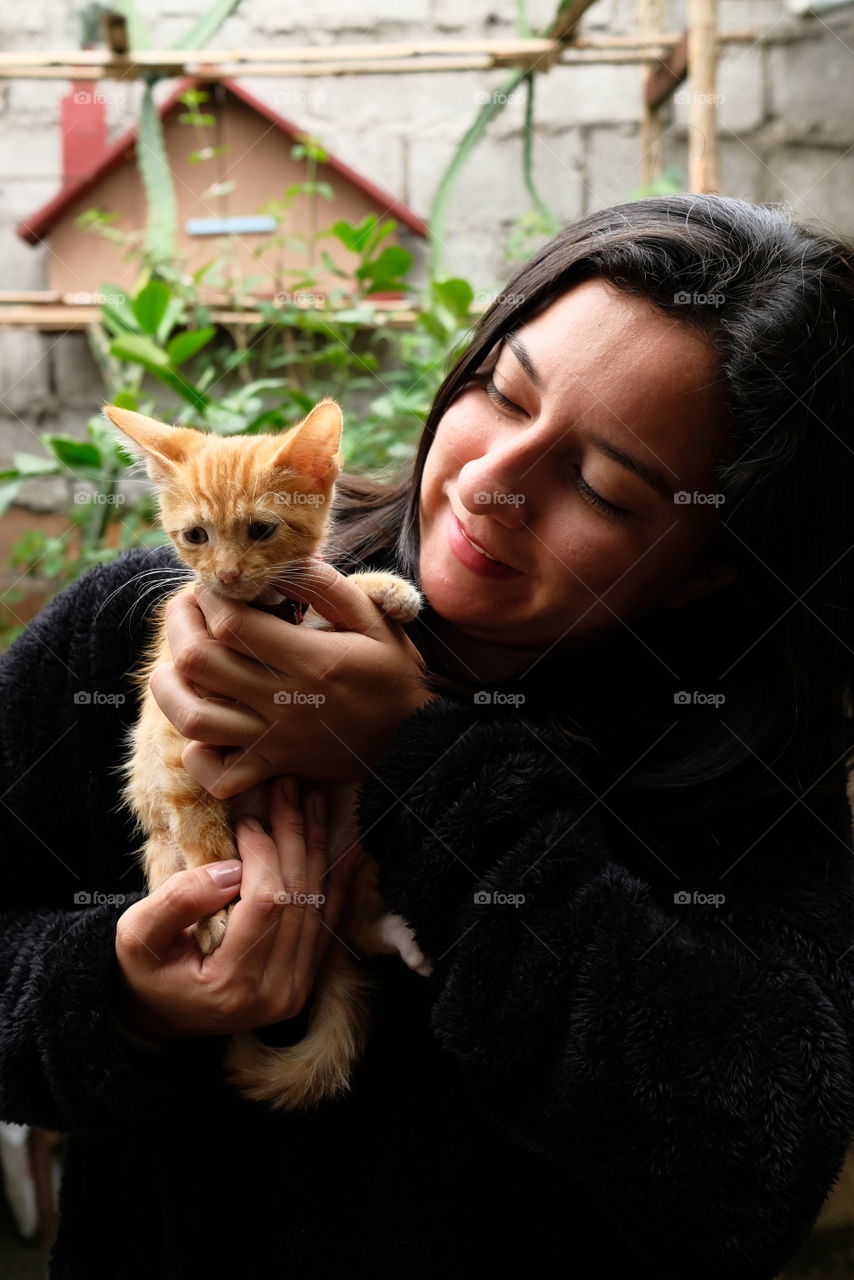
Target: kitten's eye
column 259, row 531
column 196, row 536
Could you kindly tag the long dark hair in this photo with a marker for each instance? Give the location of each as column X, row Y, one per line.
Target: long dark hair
column 776, row 301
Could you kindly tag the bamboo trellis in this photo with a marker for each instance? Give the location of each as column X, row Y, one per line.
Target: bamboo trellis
column 666, row 59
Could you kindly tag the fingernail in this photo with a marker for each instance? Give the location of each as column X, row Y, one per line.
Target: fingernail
column 318, row 806
column 226, row 874
column 289, row 786
column 252, row 823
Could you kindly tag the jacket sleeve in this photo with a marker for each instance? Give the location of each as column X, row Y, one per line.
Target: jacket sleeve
column 69, row 870
column 689, row 1060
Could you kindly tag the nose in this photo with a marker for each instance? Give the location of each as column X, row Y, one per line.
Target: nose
column 503, row 482
column 228, row 577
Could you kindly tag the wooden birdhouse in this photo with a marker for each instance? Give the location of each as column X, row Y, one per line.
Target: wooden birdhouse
column 226, row 174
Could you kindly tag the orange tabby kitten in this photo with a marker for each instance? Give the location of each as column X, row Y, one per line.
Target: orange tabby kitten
column 240, row 511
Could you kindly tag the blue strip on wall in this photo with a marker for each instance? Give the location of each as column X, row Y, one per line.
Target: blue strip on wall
column 228, row 226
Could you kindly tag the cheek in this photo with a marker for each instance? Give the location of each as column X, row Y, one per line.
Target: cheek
column 460, row 436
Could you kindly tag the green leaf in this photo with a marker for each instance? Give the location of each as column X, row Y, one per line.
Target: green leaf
column 31, row 464
column 200, row 118
column 137, row 35
column 126, row 400
column 149, row 305
column 156, row 174
column 455, row 294
column 186, row 345
column 193, row 97
column 207, row 26
column 141, row 350
column 117, row 314
column 74, row 453
column 355, row 238
column 8, row 494
column 174, row 314
column 386, row 269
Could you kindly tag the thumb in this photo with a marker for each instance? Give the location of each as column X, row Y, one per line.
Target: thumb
column 331, row 594
column 183, row 899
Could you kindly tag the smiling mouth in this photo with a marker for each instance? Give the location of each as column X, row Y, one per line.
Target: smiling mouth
column 479, row 548
column 481, row 551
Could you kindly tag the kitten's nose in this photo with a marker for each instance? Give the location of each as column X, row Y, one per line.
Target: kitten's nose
column 228, row 577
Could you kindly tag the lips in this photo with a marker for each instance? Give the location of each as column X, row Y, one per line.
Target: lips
column 474, row 555
column 479, row 545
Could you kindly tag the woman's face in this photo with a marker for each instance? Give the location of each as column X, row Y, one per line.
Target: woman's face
column 571, row 472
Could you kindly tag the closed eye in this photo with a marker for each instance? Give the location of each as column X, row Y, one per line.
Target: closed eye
column 589, row 494
column 501, row 400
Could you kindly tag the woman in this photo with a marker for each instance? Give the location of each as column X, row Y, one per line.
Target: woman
column 613, row 812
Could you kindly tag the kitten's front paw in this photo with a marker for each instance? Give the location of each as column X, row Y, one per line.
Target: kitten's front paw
column 397, row 598
column 210, row 932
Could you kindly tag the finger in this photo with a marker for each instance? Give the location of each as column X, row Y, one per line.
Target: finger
column 262, row 914
column 314, row 867
column 203, row 719
column 333, row 595
column 154, row 923
column 224, row 773
column 219, row 669
column 337, row 888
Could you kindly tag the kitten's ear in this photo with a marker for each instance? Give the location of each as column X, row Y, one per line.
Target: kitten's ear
column 314, row 447
column 161, row 447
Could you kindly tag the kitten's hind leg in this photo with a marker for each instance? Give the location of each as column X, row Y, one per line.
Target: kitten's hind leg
column 202, row 833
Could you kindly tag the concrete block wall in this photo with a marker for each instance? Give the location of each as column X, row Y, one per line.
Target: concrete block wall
column 786, row 115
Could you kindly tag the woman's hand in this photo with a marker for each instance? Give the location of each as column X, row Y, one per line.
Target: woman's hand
column 290, row 907
column 321, row 704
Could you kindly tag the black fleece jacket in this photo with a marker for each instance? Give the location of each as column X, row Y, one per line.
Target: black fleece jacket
column 597, row 1075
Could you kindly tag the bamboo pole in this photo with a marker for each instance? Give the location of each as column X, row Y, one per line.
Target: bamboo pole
column 432, row 55
column 651, row 17
column 703, row 151
column 203, row 71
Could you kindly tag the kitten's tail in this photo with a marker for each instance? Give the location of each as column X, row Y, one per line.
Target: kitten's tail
column 319, row 1066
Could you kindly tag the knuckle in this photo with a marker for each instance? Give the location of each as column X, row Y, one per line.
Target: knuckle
column 174, row 894
column 193, row 659
column 237, row 997
column 295, row 894
column 227, row 626
column 191, row 720
column 128, row 937
column 175, row 606
column 270, row 901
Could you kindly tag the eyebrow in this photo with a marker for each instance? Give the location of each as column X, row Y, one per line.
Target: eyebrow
column 645, row 471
